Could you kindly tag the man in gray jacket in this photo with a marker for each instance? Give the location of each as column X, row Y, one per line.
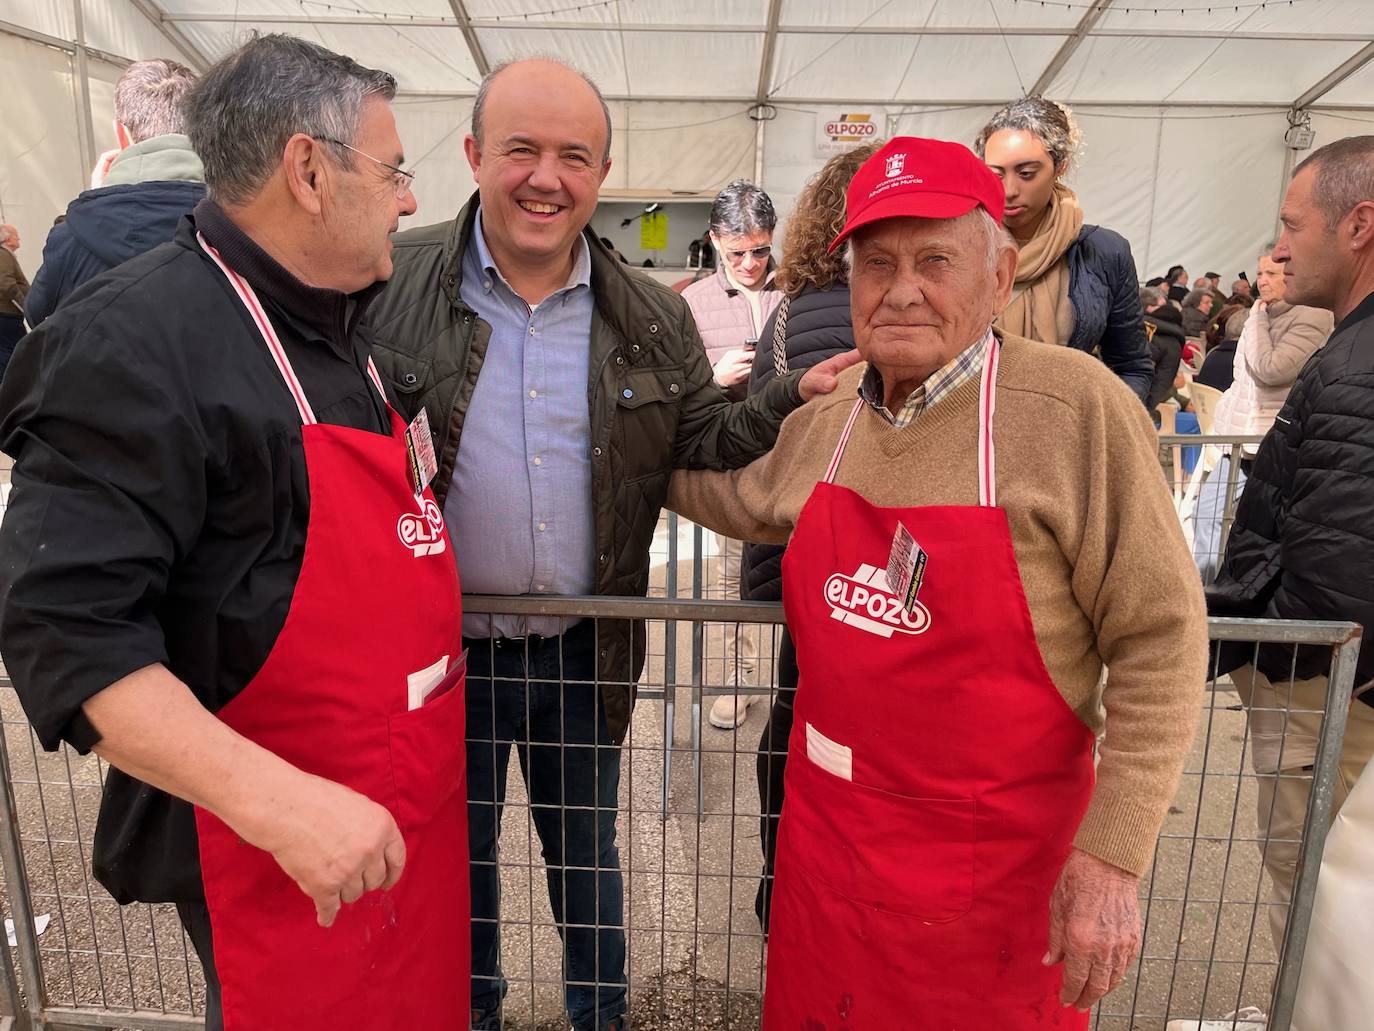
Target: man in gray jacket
column 561, row 388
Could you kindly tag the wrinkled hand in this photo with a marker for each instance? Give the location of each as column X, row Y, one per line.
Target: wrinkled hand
column 1262, row 305
column 734, row 367
column 1094, row 928
column 335, row 843
column 821, row 379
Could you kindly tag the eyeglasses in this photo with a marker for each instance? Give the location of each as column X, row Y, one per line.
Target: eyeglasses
column 401, row 180
column 758, row 254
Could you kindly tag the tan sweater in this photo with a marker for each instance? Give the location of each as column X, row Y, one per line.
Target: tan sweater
column 1107, row 574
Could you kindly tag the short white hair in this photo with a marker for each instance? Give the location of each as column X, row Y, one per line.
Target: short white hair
column 997, row 236
column 7, row 231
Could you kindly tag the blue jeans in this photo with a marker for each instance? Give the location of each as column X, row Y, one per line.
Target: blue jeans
column 1186, row 422
column 541, row 695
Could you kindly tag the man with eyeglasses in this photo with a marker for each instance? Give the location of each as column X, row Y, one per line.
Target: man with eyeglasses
column 732, row 304
column 563, row 387
column 731, row 307
column 225, row 575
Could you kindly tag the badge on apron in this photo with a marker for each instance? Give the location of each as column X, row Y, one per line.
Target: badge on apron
column 906, row 567
column 420, row 449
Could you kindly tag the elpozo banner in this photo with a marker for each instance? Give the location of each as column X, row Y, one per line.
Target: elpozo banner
column 839, row 128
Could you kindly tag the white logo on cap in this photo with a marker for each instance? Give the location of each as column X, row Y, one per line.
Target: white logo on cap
column 895, row 163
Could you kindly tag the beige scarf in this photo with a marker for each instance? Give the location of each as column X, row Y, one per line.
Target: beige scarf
column 1039, row 307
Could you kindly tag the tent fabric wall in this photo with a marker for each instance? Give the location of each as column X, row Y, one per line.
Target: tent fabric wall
column 40, row 158
column 1183, row 182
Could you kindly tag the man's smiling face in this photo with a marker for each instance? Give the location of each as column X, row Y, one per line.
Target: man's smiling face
column 540, row 162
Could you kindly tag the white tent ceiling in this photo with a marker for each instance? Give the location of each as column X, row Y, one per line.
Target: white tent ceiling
column 1183, row 107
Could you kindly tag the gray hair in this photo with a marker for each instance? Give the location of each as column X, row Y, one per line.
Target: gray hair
column 480, row 104
column 998, row 239
column 240, row 115
column 742, row 208
column 1345, row 176
column 1049, row 121
column 150, row 96
column 1151, row 297
column 1194, row 298
column 1236, row 323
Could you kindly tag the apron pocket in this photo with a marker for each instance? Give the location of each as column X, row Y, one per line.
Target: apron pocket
column 428, row 755
column 894, row 853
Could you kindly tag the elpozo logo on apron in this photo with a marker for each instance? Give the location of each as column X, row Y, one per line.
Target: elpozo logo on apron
column 423, row 532
column 863, row 601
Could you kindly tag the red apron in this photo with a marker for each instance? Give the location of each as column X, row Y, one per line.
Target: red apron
column 936, row 776
column 375, row 618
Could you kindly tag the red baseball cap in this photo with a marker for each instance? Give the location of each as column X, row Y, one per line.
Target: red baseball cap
column 913, row 177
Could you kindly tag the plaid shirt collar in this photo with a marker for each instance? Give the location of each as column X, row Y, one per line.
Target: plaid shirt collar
column 967, row 364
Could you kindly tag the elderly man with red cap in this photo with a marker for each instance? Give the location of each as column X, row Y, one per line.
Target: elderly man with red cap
column 972, row 539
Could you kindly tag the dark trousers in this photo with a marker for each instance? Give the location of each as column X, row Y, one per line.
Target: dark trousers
column 541, row 695
column 772, row 762
column 195, row 917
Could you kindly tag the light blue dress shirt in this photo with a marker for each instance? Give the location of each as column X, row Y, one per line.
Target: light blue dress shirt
column 519, row 509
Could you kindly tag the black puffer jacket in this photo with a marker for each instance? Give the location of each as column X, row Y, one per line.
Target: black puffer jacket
column 818, row 327
column 1166, row 351
column 1302, row 546
column 1108, row 318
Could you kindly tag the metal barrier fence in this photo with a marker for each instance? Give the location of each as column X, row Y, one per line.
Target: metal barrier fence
column 1205, row 478
column 689, row 836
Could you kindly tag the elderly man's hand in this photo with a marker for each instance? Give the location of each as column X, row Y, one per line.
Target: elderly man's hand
column 822, row 378
column 1094, row 928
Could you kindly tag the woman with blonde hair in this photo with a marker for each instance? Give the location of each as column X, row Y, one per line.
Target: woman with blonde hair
column 811, row 324
column 1075, row 283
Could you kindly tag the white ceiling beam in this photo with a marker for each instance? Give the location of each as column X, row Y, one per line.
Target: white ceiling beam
column 916, row 106
column 479, row 57
column 403, row 21
column 1349, row 67
column 1085, row 25
column 65, row 45
column 770, row 43
column 194, row 56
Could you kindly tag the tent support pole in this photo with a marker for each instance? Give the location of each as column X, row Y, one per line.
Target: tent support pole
column 153, row 11
column 758, row 151
column 479, row 56
column 1290, row 159
column 85, row 129
column 1066, row 50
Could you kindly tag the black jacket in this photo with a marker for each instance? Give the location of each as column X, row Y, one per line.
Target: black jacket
column 1108, row 318
column 1166, row 351
column 1168, row 313
column 1302, row 545
column 818, row 327
column 161, row 502
column 105, row 228
column 1219, row 367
